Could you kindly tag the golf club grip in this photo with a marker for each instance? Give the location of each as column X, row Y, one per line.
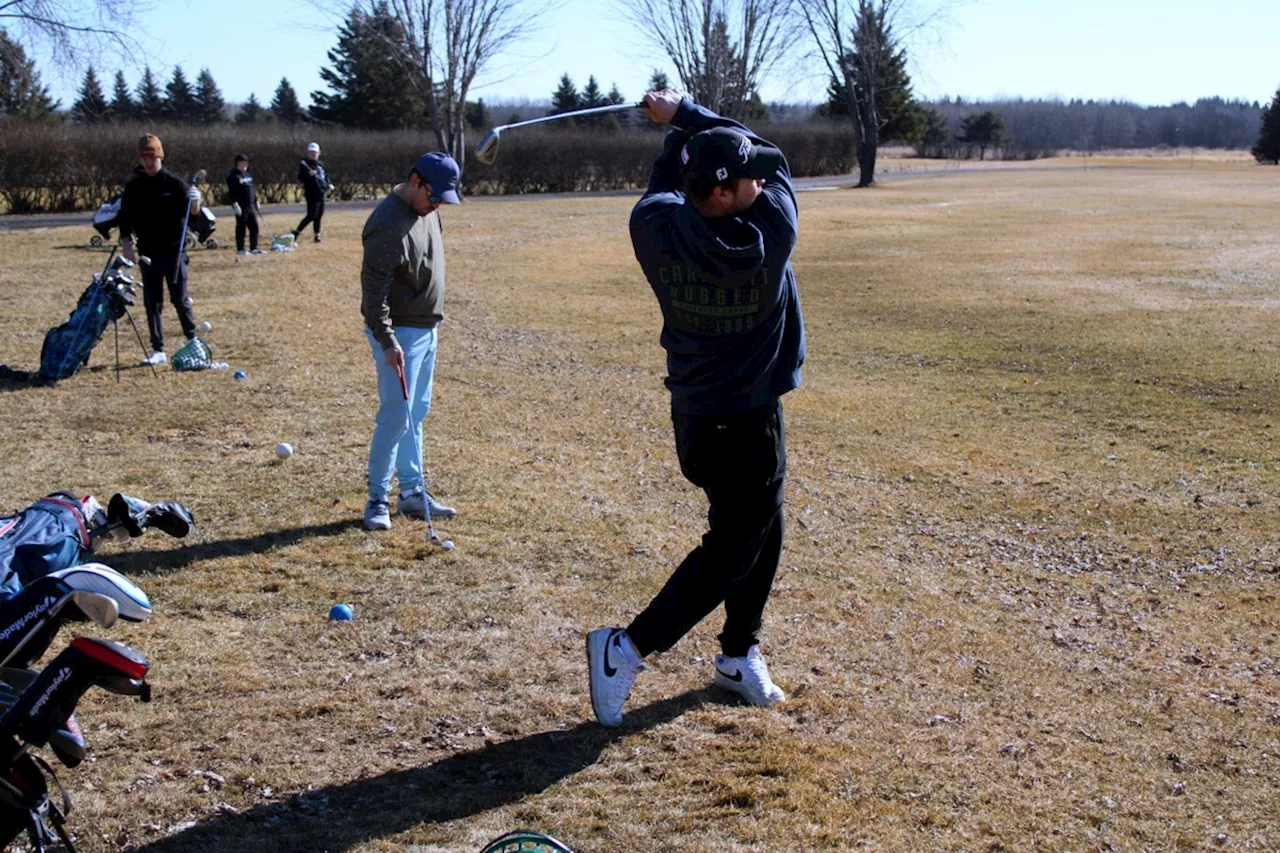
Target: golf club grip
column 404, row 386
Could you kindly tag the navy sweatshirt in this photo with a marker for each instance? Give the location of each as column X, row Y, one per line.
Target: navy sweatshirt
column 154, row 209
column 240, row 186
column 732, row 326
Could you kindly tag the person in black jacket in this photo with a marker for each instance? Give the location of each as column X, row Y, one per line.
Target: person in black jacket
column 244, row 203
column 153, row 212
column 315, row 183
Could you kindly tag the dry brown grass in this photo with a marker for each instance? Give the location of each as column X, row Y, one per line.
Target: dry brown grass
column 1028, row 597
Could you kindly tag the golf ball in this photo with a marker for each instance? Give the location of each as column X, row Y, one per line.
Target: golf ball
column 341, row 613
column 448, row 544
column 284, row 450
column 206, row 326
column 240, row 374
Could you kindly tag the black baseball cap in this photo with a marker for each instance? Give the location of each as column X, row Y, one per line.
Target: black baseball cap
column 242, row 158
column 723, row 153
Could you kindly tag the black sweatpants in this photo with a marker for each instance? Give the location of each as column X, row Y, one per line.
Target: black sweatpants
column 248, row 220
column 315, row 210
column 173, row 269
column 740, row 461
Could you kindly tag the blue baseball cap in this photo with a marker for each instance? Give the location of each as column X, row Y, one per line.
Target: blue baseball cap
column 442, row 172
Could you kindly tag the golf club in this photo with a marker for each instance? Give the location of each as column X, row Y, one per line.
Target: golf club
column 417, row 446
column 487, row 150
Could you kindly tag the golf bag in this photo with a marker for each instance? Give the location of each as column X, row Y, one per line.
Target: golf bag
column 59, row 531
column 200, row 228
column 66, row 348
column 104, row 220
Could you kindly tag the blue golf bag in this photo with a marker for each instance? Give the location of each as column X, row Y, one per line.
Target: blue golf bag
column 66, row 348
column 51, row 534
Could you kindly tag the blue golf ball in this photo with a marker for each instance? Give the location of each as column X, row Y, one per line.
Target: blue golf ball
column 240, row 374
column 341, row 613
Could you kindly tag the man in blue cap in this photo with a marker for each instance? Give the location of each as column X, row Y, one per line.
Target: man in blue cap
column 713, row 234
column 402, row 280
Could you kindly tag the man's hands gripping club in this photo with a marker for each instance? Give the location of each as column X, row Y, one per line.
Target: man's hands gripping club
column 661, row 105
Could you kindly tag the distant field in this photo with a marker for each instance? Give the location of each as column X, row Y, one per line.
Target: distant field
column 1028, row 599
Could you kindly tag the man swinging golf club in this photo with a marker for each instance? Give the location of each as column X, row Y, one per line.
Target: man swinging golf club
column 402, row 279
column 714, row 233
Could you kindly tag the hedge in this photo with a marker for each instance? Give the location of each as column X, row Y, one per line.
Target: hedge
column 66, row 167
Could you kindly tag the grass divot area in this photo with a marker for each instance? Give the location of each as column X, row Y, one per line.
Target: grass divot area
column 1028, row 598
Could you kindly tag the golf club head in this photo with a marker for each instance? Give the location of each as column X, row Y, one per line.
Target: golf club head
column 144, row 260
column 98, row 608
column 198, row 176
column 121, row 263
column 133, row 604
column 30, row 620
column 487, row 149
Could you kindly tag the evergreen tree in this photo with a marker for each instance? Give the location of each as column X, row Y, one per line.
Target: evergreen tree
column 92, row 106
column 150, row 102
column 901, row 116
column 251, row 112
column 122, row 106
column 985, row 130
column 209, row 105
column 934, row 135
column 21, row 93
column 368, row 88
column 591, row 96
column 617, row 120
column 658, row 81
column 1268, row 148
column 477, row 115
column 565, row 99
column 179, row 100
column 285, row 104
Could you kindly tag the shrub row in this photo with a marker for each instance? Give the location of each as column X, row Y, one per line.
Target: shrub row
column 66, row 167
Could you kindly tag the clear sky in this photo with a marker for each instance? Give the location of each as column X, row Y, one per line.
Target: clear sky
column 1140, row 50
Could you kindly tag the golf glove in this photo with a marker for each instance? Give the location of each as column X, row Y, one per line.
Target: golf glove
column 235, row 208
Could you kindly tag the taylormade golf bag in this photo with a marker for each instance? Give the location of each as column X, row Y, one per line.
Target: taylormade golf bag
column 39, row 715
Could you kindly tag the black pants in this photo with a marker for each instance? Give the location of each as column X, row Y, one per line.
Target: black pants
column 315, row 210
column 740, row 461
column 173, row 269
column 248, row 220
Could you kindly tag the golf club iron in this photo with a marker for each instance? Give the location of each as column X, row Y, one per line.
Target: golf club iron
column 417, row 446
column 487, row 149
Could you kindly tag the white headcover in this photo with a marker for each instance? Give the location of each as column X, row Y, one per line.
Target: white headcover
column 95, row 577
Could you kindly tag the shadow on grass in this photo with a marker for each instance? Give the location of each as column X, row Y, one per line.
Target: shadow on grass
column 342, row 816
column 160, row 562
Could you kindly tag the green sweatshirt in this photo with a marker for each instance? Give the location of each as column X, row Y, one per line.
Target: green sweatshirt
column 402, row 277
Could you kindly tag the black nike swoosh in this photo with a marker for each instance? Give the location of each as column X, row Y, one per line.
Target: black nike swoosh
column 737, row 676
column 609, row 671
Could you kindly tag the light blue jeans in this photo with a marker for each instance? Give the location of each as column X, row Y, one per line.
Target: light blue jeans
column 393, row 446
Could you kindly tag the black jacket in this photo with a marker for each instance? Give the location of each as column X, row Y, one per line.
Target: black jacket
column 240, row 184
column 154, row 209
column 313, row 185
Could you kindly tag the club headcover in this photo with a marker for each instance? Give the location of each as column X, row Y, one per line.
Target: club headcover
column 128, row 512
column 171, row 517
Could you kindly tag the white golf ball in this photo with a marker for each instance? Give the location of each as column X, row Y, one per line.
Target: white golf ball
column 206, row 326
column 284, row 450
column 448, row 544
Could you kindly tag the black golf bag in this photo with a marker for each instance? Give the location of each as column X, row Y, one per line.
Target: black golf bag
column 200, row 228
column 66, row 348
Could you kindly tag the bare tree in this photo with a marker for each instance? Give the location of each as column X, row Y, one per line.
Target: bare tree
column 73, row 31
column 721, row 49
column 448, row 43
column 856, row 40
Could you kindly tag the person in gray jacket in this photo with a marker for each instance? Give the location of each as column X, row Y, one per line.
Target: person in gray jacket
column 402, row 280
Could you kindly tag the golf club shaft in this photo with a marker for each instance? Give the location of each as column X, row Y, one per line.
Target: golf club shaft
column 610, row 108
column 417, row 446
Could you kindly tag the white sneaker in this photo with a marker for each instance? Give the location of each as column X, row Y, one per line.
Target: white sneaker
column 613, row 668
column 416, row 503
column 157, row 357
column 377, row 516
column 750, row 677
